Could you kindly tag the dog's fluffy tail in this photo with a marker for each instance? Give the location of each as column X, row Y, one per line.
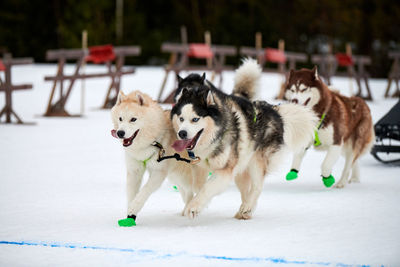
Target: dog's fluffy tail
column 247, row 78
column 299, row 123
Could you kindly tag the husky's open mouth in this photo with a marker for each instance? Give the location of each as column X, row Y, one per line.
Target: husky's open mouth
column 126, row 141
column 189, row 144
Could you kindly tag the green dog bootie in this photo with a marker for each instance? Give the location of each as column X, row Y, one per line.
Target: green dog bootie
column 292, row 175
column 128, row 222
column 328, row 181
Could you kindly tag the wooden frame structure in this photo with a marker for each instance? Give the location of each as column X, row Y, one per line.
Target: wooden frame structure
column 179, row 60
column 328, row 65
column 57, row 108
column 285, row 60
column 394, row 74
column 8, row 87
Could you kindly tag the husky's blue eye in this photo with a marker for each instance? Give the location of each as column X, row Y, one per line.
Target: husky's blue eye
column 120, row 119
column 181, row 119
column 195, row 119
column 133, row 119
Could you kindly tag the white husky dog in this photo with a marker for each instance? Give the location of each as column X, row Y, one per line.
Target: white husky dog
column 144, row 129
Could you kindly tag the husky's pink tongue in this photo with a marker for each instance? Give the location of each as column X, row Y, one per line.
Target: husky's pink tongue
column 114, row 133
column 180, row 145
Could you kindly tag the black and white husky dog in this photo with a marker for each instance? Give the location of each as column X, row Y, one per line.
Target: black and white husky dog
column 235, row 138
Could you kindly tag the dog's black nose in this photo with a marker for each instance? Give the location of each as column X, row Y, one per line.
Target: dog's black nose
column 182, row 134
column 121, row 134
column 294, row 100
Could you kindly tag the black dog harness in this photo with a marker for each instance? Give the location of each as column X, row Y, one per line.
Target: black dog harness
column 161, row 152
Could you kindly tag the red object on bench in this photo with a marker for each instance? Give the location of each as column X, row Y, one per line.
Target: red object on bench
column 200, row 51
column 275, row 55
column 100, row 54
column 344, row 60
column 2, row 67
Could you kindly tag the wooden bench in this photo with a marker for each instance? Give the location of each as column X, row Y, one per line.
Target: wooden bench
column 394, row 74
column 179, row 61
column 99, row 55
column 327, row 66
column 361, row 74
column 5, row 66
column 180, row 54
column 285, row 60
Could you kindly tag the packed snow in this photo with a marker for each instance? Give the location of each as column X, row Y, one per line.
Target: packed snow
column 62, row 192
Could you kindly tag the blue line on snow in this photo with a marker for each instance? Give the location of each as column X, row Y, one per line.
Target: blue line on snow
column 158, row 255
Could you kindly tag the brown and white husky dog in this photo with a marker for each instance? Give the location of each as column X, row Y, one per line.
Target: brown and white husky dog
column 345, row 125
column 236, row 138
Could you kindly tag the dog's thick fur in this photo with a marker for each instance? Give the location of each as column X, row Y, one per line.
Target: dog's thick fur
column 347, row 127
column 237, row 138
column 138, row 112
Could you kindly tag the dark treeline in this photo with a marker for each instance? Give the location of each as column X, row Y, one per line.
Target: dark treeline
column 29, row 28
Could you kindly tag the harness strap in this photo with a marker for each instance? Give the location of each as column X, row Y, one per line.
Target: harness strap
column 317, row 142
column 146, row 160
column 176, row 156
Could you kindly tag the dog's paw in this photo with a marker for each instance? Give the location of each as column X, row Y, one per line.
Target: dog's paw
column 192, row 210
column 354, row 180
column 328, row 181
column 244, row 213
column 340, row 184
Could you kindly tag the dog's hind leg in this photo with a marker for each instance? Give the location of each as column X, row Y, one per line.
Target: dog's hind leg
column 154, row 182
column 346, row 170
column 331, row 157
column 297, row 159
column 355, row 173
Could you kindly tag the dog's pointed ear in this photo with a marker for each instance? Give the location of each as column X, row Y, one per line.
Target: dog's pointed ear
column 315, row 73
column 210, row 98
column 121, row 97
column 291, row 72
column 140, row 99
column 179, row 78
column 184, row 91
column 203, row 78
column 179, row 95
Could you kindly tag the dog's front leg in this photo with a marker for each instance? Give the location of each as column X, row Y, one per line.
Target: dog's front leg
column 154, row 182
column 331, row 157
column 297, row 159
column 135, row 171
column 217, row 183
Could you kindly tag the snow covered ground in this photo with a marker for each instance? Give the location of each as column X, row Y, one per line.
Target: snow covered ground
column 62, row 191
